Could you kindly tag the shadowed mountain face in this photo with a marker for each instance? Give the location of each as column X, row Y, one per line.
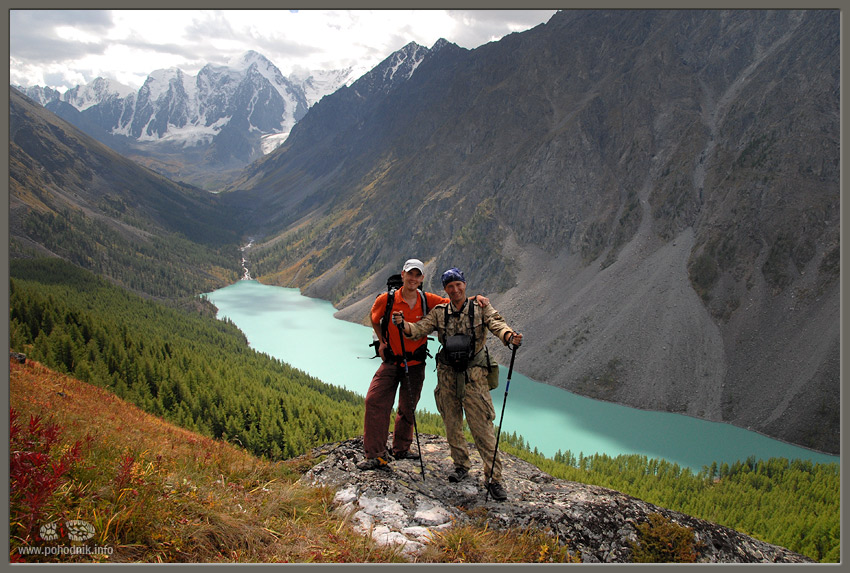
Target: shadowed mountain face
column 652, row 197
column 74, row 198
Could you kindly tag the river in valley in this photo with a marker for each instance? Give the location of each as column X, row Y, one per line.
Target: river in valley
column 303, row 332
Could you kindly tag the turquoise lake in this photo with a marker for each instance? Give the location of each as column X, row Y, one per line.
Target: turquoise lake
column 303, row 332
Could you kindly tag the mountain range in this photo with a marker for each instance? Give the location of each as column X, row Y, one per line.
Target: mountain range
column 196, row 128
column 651, row 197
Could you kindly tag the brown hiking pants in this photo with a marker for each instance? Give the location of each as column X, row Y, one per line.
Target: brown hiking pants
column 379, row 404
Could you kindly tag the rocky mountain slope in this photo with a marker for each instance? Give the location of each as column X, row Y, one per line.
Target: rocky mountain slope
column 652, row 197
column 196, row 128
column 598, row 525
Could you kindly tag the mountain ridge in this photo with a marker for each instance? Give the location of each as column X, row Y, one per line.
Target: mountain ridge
column 73, row 197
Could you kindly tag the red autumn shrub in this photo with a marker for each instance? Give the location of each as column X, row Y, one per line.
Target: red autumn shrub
column 36, row 471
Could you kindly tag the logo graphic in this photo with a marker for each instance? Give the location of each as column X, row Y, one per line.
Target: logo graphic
column 49, row 531
column 79, row 530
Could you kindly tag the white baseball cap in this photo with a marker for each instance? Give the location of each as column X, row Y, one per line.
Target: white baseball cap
column 414, row 264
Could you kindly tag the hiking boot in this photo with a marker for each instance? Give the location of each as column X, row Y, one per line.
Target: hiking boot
column 459, row 474
column 497, row 491
column 405, row 455
column 378, row 463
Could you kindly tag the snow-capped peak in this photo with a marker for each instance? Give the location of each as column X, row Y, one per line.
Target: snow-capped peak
column 100, row 89
column 319, row 83
column 246, row 60
column 396, row 68
column 158, row 81
column 252, row 60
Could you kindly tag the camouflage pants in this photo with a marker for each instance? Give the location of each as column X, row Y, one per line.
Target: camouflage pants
column 478, row 406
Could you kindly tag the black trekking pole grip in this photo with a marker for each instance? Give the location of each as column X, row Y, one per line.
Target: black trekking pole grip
column 511, row 367
column 499, row 432
column 410, row 397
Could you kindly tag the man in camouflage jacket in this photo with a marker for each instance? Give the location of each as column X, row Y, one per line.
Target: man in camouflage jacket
column 464, row 387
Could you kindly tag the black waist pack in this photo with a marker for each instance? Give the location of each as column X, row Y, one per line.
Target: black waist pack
column 457, row 351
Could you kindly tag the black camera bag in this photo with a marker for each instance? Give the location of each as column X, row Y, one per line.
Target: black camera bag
column 457, row 351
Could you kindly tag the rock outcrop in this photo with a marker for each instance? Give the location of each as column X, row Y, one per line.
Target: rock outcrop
column 596, row 524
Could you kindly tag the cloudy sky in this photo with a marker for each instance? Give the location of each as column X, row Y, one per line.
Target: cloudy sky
column 65, row 48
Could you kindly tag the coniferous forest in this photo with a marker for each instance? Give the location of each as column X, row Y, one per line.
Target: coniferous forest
column 192, row 370
column 792, row 503
column 198, row 372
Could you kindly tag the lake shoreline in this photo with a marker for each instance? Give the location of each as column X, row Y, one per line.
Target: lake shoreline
column 586, row 425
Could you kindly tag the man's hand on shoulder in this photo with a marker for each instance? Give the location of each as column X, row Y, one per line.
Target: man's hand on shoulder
column 482, row 300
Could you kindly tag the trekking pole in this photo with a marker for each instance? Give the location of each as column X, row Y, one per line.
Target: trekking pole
column 499, row 433
column 410, row 397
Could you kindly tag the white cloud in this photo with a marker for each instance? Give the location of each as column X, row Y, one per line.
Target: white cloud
column 74, row 34
column 63, row 48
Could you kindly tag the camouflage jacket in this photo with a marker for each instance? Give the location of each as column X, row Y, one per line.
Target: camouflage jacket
column 446, row 321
